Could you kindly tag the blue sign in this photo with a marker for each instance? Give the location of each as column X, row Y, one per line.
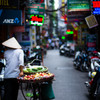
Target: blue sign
column 96, row 11
column 12, row 17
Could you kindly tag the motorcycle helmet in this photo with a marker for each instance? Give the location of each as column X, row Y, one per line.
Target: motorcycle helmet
column 93, row 74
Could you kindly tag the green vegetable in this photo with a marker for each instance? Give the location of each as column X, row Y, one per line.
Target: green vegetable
column 34, row 69
column 25, row 71
column 39, row 68
column 29, row 94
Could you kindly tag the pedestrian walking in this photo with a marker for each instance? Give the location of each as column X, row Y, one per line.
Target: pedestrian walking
column 14, row 57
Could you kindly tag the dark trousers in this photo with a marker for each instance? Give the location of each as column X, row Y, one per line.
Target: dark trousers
column 2, row 90
column 11, row 89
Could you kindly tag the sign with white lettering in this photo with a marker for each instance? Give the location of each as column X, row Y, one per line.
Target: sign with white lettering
column 37, row 9
column 95, row 7
column 13, row 17
column 9, row 4
column 78, row 5
column 36, row 20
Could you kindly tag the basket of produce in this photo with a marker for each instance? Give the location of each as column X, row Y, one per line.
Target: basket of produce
column 38, row 77
column 34, row 69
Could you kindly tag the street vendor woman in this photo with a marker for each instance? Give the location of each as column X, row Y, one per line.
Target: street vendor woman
column 14, row 57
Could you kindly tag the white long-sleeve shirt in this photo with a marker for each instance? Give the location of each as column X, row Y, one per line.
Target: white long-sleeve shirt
column 14, row 58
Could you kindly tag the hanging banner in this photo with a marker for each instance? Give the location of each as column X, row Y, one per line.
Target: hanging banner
column 9, row 4
column 78, row 5
column 12, row 17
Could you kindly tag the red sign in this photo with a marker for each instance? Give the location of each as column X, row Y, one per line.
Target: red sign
column 75, row 35
column 65, row 19
column 96, row 4
column 91, row 44
column 42, row 1
column 35, row 18
column 68, row 30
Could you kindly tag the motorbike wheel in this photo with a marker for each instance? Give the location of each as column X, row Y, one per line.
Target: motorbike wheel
column 74, row 63
column 77, row 65
column 84, row 67
column 97, row 96
column 81, row 68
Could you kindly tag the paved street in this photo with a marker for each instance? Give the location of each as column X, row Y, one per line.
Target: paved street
column 69, row 84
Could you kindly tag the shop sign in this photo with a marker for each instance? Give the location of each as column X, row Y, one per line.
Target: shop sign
column 69, row 32
column 91, row 21
column 78, row 5
column 9, row 4
column 36, row 20
column 36, row 1
column 75, row 35
column 11, row 21
column 37, row 9
column 12, row 17
column 95, row 7
column 91, row 42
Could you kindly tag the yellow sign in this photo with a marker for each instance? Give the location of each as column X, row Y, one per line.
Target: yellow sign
column 9, row 4
column 91, row 21
column 4, row 3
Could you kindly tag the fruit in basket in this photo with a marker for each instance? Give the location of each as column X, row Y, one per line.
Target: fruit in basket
column 28, row 77
column 34, row 69
column 39, row 68
column 38, row 76
column 30, row 70
column 25, row 71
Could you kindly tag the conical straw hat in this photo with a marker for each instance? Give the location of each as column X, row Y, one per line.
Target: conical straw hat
column 12, row 43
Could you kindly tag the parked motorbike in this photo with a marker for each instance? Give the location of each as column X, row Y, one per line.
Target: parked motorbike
column 67, row 51
column 84, row 62
column 35, row 54
column 93, row 63
column 78, row 60
column 62, row 49
column 94, row 85
column 76, row 57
